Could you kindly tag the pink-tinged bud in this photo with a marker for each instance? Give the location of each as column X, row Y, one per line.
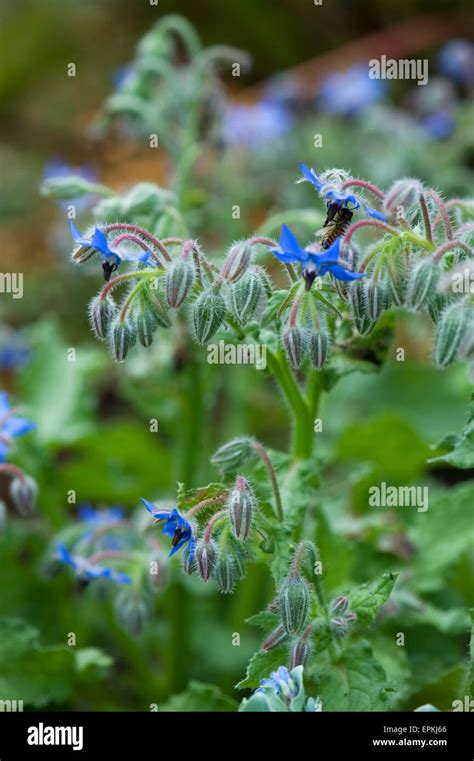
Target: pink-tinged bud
column 179, row 279
column 237, row 261
column 401, row 196
column 300, row 652
column 241, row 505
column 206, row 558
column 339, row 605
column 277, row 637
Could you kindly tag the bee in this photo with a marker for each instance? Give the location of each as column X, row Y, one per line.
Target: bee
column 337, row 221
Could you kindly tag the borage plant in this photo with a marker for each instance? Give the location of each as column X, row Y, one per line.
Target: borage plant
column 331, row 310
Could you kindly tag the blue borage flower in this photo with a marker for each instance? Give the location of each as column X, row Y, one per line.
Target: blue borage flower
column 254, row 125
column 96, row 518
column 102, row 523
column 177, row 527
column 280, row 681
column 87, row 570
column 333, row 195
column 349, row 92
column 110, row 259
column 313, row 264
column 10, row 425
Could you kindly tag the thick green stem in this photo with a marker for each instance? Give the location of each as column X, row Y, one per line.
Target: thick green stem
column 302, row 425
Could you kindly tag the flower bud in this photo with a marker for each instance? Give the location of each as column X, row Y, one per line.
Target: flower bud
column 375, row 297
column 293, row 598
column 206, row 558
column 132, row 611
column 179, row 279
column 294, row 341
column 208, row 314
column 237, row 261
column 364, row 325
column 339, row 605
column 246, row 295
column 67, row 188
column 277, row 637
column 23, row 492
column 449, row 333
column 397, row 283
column 189, row 562
column 241, row 504
column 224, row 573
column 121, row 339
column 144, row 321
column 300, row 652
column 101, row 313
column 157, row 306
column 233, row 455
column 239, row 565
column 403, row 194
column 437, row 306
column 319, row 348
column 422, row 284
column 358, row 300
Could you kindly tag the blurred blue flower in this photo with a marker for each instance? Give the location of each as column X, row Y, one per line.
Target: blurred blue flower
column 56, row 168
column 254, row 125
column 97, row 518
column 456, row 60
column 177, row 527
column 440, row 124
column 13, row 352
column 281, row 682
column 87, row 570
column 10, row 425
column 334, row 195
column 313, row 264
column 349, row 92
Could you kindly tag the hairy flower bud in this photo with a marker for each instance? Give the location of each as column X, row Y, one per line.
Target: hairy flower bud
column 299, row 654
column 319, row 347
column 206, row 559
column 246, row 295
column 179, row 279
column 376, row 299
column 358, row 300
column 208, row 314
column 241, row 505
column 189, row 562
column 121, row 338
column 233, row 455
column 224, row 573
column 294, row 341
column 237, row 261
column 422, row 284
column 402, row 195
column 293, row 599
column 397, row 284
column 23, row 492
column 450, row 331
column 277, row 637
column 339, row 605
column 144, row 321
column 364, row 325
column 132, row 611
column 101, row 313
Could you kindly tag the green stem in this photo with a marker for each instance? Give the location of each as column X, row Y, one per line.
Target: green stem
column 302, row 426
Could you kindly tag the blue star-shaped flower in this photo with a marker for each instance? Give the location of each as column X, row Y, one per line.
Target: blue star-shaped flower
column 177, row 527
column 334, row 196
column 87, row 570
column 280, row 681
column 110, row 259
column 313, row 264
column 10, row 425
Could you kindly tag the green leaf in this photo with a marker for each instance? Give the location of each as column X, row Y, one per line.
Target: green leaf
column 56, row 389
column 470, row 677
column 369, row 598
column 461, row 446
column 442, row 535
column 358, row 683
column 265, row 620
column 261, row 665
column 36, row 674
column 199, row 697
